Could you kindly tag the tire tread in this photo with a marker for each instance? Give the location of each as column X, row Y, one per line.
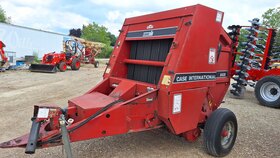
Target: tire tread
column 210, row 130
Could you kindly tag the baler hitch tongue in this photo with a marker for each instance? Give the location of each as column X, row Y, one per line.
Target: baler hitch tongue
column 33, row 137
column 29, row 140
column 17, row 142
column 43, row 68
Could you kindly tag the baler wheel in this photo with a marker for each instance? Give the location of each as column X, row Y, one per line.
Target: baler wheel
column 267, row 91
column 220, row 132
column 62, row 66
column 76, row 64
column 96, row 64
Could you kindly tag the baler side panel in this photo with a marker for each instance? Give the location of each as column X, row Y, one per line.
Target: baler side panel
column 188, row 118
column 218, row 92
column 172, row 60
column 194, row 55
column 193, row 43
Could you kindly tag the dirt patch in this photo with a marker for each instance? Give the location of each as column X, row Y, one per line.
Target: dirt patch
column 258, row 135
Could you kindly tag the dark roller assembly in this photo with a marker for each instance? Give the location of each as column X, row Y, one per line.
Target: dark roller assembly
column 245, row 59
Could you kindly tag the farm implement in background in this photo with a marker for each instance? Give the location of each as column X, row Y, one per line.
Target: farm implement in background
column 76, row 51
column 258, row 63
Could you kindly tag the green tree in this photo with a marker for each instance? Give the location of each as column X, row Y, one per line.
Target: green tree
column 94, row 32
column 113, row 38
column 99, row 33
column 271, row 18
column 3, row 16
column 242, row 38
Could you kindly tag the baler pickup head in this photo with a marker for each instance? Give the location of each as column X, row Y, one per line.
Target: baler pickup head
column 43, row 68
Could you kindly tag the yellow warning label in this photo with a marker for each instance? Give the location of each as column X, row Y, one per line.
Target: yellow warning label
column 166, row 80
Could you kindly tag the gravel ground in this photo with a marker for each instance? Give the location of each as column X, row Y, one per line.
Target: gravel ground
column 258, row 135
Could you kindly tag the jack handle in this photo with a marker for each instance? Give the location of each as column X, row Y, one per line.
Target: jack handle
column 33, row 137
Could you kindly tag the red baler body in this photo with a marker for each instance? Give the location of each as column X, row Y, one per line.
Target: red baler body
column 157, row 57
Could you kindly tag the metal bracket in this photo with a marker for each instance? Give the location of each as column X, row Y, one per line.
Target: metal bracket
column 65, row 136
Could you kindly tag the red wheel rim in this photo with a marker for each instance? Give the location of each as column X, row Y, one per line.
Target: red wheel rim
column 78, row 64
column 227, row 134
column 224, row 133
column 64, row 67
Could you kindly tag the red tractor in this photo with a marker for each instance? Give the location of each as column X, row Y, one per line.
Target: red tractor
column 56, row 61
column 4, row 60
column 53, row 61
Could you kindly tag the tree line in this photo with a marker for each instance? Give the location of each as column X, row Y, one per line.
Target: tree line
column 3, row 17
column 97, row 33
column 270, row 19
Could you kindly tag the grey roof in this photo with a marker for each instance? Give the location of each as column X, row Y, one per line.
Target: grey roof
column 24, row 27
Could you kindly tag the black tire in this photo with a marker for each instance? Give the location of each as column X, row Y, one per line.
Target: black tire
column 213, row 130
column 76, row 64
column 61, row 66
column 96, row 64
column 267, row 91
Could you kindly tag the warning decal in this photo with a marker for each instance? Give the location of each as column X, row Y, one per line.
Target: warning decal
column 212, row 56
column 219, row 16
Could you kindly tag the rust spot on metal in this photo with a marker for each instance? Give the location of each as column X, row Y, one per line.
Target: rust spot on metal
column 18, row 141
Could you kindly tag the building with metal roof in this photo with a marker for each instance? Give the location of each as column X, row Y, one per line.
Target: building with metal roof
column 27, row 41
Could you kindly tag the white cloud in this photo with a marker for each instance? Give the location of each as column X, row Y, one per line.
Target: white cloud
column 41, row 16
column 31, row 2
column 113, row 15
column 120, row 4
column 236, row 12
column 135, row 13
column 116, row 18
column 113, row 27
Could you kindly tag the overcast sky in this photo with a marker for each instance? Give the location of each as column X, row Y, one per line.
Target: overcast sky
column 60, row 16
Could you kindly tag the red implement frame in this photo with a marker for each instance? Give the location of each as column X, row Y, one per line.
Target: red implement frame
column 257, row 74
